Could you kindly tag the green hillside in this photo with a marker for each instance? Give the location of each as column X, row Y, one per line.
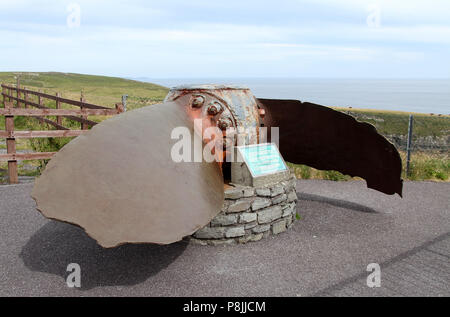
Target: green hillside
column 396, row 122
column 101, row 90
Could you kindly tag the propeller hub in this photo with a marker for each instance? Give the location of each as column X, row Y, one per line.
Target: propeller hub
column 236, row 105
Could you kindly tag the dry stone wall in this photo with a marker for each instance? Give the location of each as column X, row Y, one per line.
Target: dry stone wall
column 250, row 214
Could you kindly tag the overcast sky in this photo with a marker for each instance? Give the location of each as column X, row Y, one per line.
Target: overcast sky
column 208, row 38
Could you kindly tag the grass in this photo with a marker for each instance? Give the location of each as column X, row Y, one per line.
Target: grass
column 107, row 91
column 25, row 168
column 433, row 166
column 306, row 172
column 396, row 122
column 430, row 166
column 100, row 90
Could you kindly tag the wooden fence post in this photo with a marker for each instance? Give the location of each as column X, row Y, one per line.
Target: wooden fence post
column 41, row 103
column 84, row 126
column 25, row 96
column 58, row 106
column 11, row 146
column 120, row 108
column 18, row 94
column 4, row 98
column 408, row 144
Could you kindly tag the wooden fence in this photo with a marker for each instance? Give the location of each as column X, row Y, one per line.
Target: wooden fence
column 19, row 101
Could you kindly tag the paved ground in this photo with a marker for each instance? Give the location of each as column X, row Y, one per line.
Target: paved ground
column 344, row 227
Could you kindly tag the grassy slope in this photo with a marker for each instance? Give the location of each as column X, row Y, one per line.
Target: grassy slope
column 101, row 90
column 396, row 122
column 107, row 91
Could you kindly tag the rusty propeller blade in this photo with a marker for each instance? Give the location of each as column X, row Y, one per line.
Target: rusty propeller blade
column 326, row 139
column 119, row 183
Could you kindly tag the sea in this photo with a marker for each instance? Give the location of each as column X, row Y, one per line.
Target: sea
column 411, row 95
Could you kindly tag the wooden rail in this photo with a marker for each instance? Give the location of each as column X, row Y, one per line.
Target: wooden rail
column 40, row 134
column 26, row 156
column 56, row 112
column 51, row 97
column 24, row 106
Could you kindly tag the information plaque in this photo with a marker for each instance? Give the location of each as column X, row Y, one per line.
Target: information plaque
column 262, row 159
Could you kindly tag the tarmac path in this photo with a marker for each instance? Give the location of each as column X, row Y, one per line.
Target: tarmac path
column 343, row 228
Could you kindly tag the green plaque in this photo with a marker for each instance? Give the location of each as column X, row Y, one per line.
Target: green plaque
column 262, row 159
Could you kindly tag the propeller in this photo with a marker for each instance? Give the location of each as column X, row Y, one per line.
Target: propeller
column 119, row 183
column 327, row 139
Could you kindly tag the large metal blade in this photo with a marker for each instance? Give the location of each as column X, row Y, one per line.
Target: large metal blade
column 119, row 183
column 326, row 139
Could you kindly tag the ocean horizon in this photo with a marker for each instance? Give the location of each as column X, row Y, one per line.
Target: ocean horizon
column 411, row 95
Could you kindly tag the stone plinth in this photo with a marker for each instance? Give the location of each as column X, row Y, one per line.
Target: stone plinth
column 251, row 213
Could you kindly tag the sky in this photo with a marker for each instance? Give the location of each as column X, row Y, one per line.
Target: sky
column 233, row 39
